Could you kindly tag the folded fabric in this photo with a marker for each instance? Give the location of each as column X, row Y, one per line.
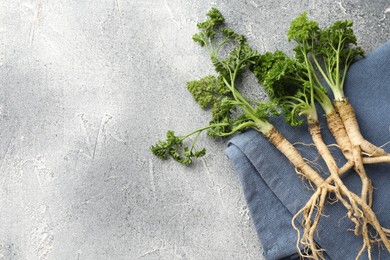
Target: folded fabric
column 274, row 192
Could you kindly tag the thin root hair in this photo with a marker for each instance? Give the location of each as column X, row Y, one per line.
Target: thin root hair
column 377, row 149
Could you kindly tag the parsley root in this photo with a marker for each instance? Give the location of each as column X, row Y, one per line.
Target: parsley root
column 294, row 87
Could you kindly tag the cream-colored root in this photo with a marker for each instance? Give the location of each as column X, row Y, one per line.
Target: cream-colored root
column 361, row 146
column 347, row 114
column 323, row 150
column 353, row 154
column 375, row 154
column 366, row 195
column 378, row 159
column 357, row 211
column 366, row 182
column 372, row 220
column 366, row 243
column 336, row 127
column 288, row 150
column 383, row 145
column 315, row 205
column 371, row 149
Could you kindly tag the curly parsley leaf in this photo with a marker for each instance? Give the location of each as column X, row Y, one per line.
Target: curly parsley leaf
column 207, row 90
column 173, row 147
column 337, row 45
column 279, row 74
column 209, row 27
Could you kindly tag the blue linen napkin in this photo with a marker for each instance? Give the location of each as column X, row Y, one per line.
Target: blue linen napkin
column 274, row 192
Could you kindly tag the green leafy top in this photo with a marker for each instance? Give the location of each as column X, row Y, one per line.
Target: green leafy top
column 279, row 74
column 291, row 85
column 294, row 84
column 338, row 38
column 208, row 27
column 231, row 112
column 208, row 90
column 334, row 46
column 337, row 45
column 172, row 146
column 285, row 83
column 221, row 94
column 304, row 32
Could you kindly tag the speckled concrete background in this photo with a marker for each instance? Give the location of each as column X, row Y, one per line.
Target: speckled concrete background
column 87, row 86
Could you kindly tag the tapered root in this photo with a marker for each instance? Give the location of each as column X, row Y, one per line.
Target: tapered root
column 378, row 159
column 359, row 208
column 347, row 114
column 284, row 146
column 336, row 127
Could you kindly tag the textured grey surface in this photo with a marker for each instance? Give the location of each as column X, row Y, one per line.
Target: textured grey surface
column 87, row 86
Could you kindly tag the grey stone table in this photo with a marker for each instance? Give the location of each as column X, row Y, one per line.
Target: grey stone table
column 87, row 86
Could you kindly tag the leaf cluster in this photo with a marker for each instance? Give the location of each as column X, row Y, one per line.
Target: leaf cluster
column 239, row 59
column 222, row 112
column 173, row 147
column 279, row 74
column 294, row 108
column 304, row 32
column 339, row 37
column 286, row 83
column 231, row 112
column 208, row 90
column 294, row 84
column 208, row 28
column 219, row 92
column 336, row 46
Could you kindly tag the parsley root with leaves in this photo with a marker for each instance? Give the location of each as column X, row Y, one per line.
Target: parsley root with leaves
column 231, row 112
column 292, row 85
column 329, row 53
